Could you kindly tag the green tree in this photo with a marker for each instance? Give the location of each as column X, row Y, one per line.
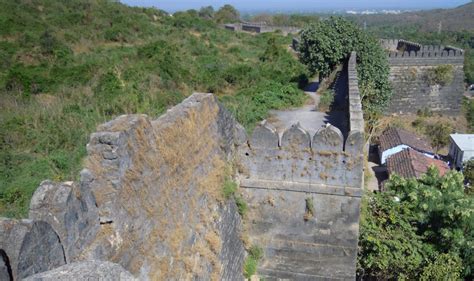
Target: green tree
column 207, row 12
column 446, row 267
column 272, row 51
column 468, row 171
column 227, row 14
column 439, row 134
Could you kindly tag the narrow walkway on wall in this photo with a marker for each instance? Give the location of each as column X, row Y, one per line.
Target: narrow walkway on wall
column 309, row 117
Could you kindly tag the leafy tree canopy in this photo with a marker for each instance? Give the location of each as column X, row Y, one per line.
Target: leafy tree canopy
column 419, row 227
column 227, row 14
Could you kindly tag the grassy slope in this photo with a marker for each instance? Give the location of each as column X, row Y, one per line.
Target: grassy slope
column 66, row 66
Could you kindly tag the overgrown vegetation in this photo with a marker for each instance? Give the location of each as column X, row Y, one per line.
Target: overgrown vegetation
column 441, row 75
column 229, row 189
column 67, row 66
column 326, row 100
column 255, row 254
column 325, row 44
column 468, row 109
column 437, row 131
column 418, row 228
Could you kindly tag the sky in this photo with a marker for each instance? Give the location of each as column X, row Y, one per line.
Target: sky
column 299, row 5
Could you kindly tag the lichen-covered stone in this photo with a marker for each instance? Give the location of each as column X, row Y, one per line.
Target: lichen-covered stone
column 86, row 270
column 30, row 247
column 71, row 210
column 150, row 197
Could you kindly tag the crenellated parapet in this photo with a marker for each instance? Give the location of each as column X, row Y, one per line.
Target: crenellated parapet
column 356, row 115
column 433, row 55
column 410, row 68
column 322, row 163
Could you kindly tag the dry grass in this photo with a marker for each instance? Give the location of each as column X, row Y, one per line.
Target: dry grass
column 173, row 166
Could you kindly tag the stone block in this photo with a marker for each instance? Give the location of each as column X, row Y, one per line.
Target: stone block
column 28, row 247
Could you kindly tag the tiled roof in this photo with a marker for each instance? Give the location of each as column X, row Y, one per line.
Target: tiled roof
column 393, row 137
column 412, row 164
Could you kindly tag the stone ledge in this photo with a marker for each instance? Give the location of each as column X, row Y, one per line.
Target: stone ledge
column 301, row 187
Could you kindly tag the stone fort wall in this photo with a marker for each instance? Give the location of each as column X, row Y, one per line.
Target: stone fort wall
column 409, row 69
column 261, row 28
column 304, row 196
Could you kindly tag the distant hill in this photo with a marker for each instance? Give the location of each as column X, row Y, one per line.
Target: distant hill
column 456, row 19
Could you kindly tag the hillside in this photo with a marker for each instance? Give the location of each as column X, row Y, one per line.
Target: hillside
column 457, row 19
column 67, row 66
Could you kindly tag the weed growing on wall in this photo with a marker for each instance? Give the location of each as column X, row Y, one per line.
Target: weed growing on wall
column 326, row 100
column 441, row 75
column 255, row 254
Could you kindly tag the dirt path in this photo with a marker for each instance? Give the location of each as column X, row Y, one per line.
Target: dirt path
column 308, row 116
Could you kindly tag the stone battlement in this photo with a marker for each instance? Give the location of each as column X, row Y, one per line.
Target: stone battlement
column 356, row 115
column 410, row 64
column 322, row 159
column 261, row 27
column 304, row 194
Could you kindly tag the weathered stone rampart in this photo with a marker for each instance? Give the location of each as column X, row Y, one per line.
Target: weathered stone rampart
column 411, row 65
column 356, row 115
column 261, row 28
column 150, row 199
column 304, row 196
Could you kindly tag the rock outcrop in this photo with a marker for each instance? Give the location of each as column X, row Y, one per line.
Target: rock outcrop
column 150, row 199
column 86, row 270
column 28, row 247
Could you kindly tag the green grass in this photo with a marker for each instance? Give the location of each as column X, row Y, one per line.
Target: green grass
column 229, row 189
column 251, row 262
column 250, row 267
column 241, row 205
column 67, row 66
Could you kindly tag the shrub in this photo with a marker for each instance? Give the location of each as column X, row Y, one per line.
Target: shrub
column 442, row 75
column 250, row 267
column 256, row 252
column 241, row 205
column 439, row 134
column 229, row 189
column 447, row 267
column 326, row 100
column 309, row 209
column 251, row 262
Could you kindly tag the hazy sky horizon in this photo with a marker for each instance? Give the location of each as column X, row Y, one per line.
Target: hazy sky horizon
column 301, row 5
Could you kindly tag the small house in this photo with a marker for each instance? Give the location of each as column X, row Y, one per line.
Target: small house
column 461, row 149
column 394, row 140
column 409, row 163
